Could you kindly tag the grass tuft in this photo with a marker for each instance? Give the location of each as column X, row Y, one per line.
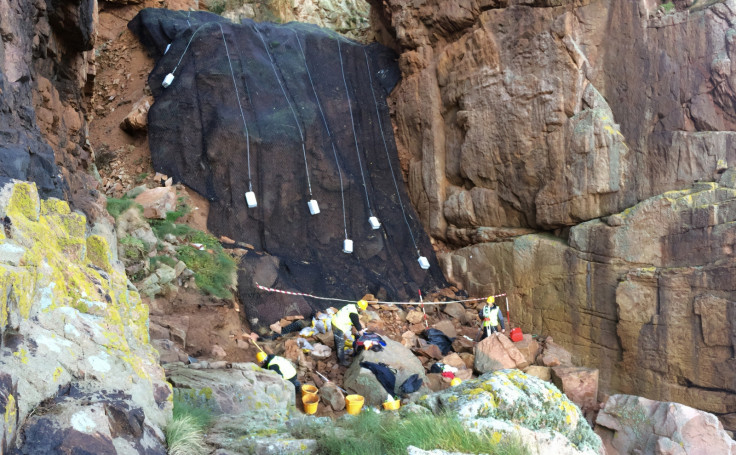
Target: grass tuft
column 371, row 433
column 117, row 206
column 185, row 432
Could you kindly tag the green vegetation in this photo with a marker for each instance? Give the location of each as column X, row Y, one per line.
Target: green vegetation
column 117, row 206
column 141, row 177
column 168, row 260
column 213, row 268
column 371, row 433
column 185, row 432
column 668, row 7
column 133, row 248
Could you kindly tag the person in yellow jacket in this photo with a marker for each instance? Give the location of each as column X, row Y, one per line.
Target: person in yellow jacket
column 280, row 365
column 342, row 323
column 491, row 318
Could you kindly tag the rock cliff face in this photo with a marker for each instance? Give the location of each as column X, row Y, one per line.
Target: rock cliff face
column 267, row 108
column 542, row 114
column 45, row 64
column 76, row 369
column 516, row 115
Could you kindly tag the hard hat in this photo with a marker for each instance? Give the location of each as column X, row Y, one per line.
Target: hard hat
column 362, row 304
column 491, row 299
column 261, row 356
column 456, row 381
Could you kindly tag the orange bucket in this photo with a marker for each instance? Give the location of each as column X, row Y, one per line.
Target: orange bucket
column 354, row 403
column 310, row 401
column 309, row 389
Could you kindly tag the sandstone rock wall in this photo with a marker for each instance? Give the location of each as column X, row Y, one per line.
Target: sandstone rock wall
column 46, row 63
column 521, row 114
column 646, row 295
column 76, row 368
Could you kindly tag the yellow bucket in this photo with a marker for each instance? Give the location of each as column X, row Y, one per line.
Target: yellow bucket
column 310, row 401
column 392, row 405
column 309, row 389
column 354, row 403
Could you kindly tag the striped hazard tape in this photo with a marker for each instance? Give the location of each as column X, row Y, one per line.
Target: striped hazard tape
column 335, row 299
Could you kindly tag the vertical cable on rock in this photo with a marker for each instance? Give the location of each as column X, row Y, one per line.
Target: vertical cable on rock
column 329, row 133
column 293, row 112
column 355, row 136
column 388, row 156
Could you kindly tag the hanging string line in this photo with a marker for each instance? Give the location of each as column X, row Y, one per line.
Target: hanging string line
column 187, row 47
column 250, row 101
column 293, row 112
column 329, row 134
column 355, row 136
column 388, row 157
column 237, row 97
column 334, row 299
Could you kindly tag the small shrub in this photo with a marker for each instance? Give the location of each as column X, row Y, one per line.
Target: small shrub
column 133, row 248
column 141, row 177
column 117, row 206
column 667, row 7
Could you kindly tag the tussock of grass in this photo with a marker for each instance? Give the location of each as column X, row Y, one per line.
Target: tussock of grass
column 185, row 432
column 185, row 437
column 372, row 433
column 117, row 206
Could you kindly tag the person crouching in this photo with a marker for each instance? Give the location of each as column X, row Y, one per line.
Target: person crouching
column 280, row 365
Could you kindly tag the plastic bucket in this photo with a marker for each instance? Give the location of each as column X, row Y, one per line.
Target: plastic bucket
column 310, row 401
column 309, row 389
column 354, row 403
column 392, row 405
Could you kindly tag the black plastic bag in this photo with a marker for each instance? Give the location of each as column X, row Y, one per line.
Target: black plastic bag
column 385, row 376
column 442, row 341
column 412, row 384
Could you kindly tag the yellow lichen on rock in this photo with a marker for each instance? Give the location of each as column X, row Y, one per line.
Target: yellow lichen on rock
column 24, row 201
column 98, row 252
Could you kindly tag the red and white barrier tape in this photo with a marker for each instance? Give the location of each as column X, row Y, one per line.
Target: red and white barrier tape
column 334, row 299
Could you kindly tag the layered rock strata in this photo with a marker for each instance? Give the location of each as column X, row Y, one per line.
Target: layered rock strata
column 517, row 114
column 46, row 66
column 645, row 295
column 76, row 368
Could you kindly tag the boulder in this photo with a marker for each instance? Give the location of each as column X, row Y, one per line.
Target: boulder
column 414, row 317
column 169, row 352
column 409, row 339
column 363, row 382
column 504, row 399
column 529, row 347
column 131, row 223
column 630, row 424
column 455, row 309
column 436, row 382
column 98, row 422
column 497, row 352
column 332, row 396
column 462, row 344
column 553, row 354
column 238, row 390
column 579, row 384
column 543, row 373
column 136, row 122
column 446, row 327
column 156, row 202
